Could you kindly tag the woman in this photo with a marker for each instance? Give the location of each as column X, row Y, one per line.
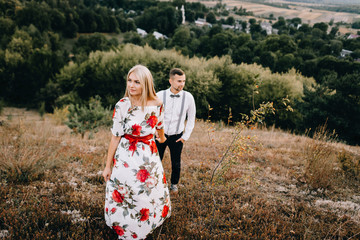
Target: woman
column 137, row 198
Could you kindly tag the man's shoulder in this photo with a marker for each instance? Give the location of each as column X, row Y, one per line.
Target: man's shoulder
column 188, row 94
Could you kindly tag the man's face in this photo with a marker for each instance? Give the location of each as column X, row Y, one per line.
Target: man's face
column 177, row 83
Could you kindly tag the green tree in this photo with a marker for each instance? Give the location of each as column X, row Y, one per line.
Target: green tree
column 162, row 19
column 356, row 25
column 336, row 102
column 94, row 42
column 181, row 37
column 322, row 26
column 211, row 18
column 190, row 15
column 230, row 20
column 268, row 59
column 34, row 13
column 84, row 118
column 220, row 43
column 7, row 26
column 58, row 20
column 280, row 23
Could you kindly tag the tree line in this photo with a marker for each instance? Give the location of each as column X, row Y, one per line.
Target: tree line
column 34, row 60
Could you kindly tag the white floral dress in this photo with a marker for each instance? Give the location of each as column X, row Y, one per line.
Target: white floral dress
column 137, row 198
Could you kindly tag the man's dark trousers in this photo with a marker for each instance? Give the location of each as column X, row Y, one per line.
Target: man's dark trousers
column 175, row 153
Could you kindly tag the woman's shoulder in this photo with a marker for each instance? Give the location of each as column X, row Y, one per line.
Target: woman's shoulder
column 123, row 101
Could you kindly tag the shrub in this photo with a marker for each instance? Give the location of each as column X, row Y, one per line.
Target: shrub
column 349, row 164
column 60, row 115
column 88, row 118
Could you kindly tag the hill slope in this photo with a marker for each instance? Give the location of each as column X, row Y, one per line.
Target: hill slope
column 52, row 186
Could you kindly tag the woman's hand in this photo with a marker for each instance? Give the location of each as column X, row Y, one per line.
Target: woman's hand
column 106, row 173
column 160, row 136
column 161, row 139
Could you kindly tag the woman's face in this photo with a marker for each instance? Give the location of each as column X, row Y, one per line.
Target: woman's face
column 134, row 85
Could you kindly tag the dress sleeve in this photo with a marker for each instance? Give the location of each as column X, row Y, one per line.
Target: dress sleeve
column 117, row 127
column 160, row 123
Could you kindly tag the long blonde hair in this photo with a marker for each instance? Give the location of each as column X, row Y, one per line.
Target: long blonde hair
column 147, row 84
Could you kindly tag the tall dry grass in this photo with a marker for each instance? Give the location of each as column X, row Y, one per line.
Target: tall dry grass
column 261, row 191
column 320, row 157
column 27, row 149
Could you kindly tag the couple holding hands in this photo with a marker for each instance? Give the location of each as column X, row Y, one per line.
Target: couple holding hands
column 144, row 123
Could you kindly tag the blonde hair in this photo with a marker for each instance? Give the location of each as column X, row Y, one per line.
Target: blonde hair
column 147, row 84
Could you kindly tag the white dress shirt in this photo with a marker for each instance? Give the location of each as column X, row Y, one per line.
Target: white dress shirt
column 172, row 111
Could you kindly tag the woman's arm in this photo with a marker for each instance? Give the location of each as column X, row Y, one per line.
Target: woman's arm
column 114, row 142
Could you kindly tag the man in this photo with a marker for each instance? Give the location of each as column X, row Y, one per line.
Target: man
column 178, row 104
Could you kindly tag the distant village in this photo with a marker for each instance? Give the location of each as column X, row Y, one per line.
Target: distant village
column 265, row 26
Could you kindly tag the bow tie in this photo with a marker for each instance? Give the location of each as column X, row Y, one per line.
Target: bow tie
column 174, row 95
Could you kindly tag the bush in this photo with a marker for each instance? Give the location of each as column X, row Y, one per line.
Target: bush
column 217, row 82
column 88, row 118
column 60, row 115
column 349, row 164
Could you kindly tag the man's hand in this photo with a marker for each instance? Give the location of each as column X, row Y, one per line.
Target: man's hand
column 180, row 139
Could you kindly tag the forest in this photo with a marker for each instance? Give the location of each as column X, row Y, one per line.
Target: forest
column 229, row 71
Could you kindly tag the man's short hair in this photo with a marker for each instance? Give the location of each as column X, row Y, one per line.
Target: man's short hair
column 176, row 71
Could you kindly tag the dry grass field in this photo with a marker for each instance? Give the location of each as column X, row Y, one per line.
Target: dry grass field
column 300, row 10
column 270, row 185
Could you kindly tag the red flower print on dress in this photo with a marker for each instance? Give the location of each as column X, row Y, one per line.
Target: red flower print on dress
column 164, row 179
column 132, row 148
column 152, row 121
column 136, row 130
column 165, row 211
column 106, row 210
column 126, row 165
column 114, row 161
column 117, row 196
column 119, row 230
column 134, row 235
column 114, row 113
column 122, row 100
column 142, row 175
column 161, row 108
column 153, row 147
column 144, row 214
column 113, row 210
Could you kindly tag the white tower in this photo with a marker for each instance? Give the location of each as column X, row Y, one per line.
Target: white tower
column 183, row 14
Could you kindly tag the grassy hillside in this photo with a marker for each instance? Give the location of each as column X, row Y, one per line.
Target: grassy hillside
column 270, row 185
